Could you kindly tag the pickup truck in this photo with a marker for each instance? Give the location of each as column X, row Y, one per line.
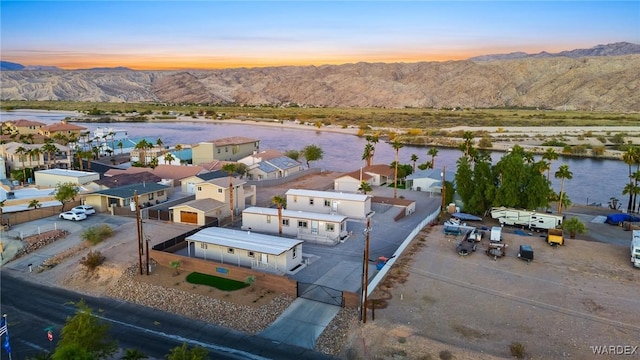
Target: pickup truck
column 467, row 245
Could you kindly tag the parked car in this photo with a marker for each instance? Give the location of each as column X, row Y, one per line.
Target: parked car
column 73, row 215
column 86, row 209
column 467, row 245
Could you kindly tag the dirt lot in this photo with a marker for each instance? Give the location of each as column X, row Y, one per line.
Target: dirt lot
column 569, row 298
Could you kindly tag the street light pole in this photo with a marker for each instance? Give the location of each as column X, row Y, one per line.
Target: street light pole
column 444, row 187
column 139, row 223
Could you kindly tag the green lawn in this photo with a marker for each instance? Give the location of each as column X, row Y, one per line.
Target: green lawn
column 216, row 282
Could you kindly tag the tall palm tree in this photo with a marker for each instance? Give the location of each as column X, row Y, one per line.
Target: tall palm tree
column 36, row 152
column 629, row 158
column 396, row 146
column 21, row 152
column 562, row 174
column 50, row 150
column 365, row 187
column 142, row 147
column 367, row 155
column 433, row 152
column 468, row 142
column 414, row 158
column 280, row 202
column 230, row 168
column 169, row 158
column 29, row 154
column 550, row 155
column 159, row 142
column 178, row 148
column 120, row 145
column 372, row 140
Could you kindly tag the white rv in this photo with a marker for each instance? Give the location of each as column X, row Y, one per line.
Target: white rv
column 525, row 218
column 635, row 248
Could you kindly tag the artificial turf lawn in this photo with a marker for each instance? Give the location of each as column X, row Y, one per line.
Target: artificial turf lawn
column 215, row 281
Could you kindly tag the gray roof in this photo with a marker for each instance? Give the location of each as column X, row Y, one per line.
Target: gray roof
column 327, row 195
column 435, row 174
column 213, row 175
column 201, row 204
column 128, row 190
column 244, row 240
column 284, row 162
column 266, row 167
column 293, row 214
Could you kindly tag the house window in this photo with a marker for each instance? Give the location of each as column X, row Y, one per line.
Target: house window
column 295, row 198
column 327, row 202
column 220, row 191
column 226, row 149
column 268, row 219
column 199, row 188
column 161, row 193
column 331, row 227
column 294, row 252
column 251, row 254
column 285, row 222
column 150, row 196
column 218, row 151
column 203, row 246
column 310, row 201
column 302, row 224
column 230, row 251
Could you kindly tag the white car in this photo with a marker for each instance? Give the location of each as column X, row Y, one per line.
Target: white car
column 73, row 215
column 86, row 209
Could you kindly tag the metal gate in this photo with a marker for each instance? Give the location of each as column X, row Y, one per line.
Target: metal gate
column 320, row 293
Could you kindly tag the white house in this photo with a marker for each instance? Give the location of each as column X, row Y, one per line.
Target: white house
column 313, row 227
column 274, row 169
column 375, row 175
column 354, row 206
column 429, row 180
column 53, row 177
column 246, row 249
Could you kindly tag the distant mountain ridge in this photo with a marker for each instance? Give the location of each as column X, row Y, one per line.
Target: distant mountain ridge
column 615, row 49
column 603, row 83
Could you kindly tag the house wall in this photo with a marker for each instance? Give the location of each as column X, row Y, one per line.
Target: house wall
column 207, row 152
column 201, row 214
column 187, row 185
column 265, row 223
column 426, row 185
column 45, row 179
column 241, row 257
column 326, row 205
column 206, row 190
column 99, row 203
column 346, row 184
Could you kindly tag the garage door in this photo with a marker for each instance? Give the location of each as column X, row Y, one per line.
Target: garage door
column 188, row 217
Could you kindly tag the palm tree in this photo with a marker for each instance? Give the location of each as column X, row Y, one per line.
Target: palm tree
column 159, row 142
column 372, row 140
column 178, row 148
column 631, row 189
column 21, row 151
column 30, row 157
column 396, row 146
column 153, row 163
column 629, row 158
column 414, row 158
column 433, row 152
column 169, row 158
column 468, row 141
column 34, row 204
column 365, row 187
column 50, row 150
column 367, row 155
column 550, row 155
column 142, row 147
column 230, row 168
column 280, row 202
column 120, row 145
column 562, row 174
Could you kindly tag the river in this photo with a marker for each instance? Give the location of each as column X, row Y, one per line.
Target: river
column 594, row 180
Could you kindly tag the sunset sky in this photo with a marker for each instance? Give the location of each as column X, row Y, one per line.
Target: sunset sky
column 214, row 34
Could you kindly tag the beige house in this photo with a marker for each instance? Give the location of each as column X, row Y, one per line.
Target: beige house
column 375, row 175
column 188, row 185
column 313, row 227
column 228, row 149
column 277, row 168
column 247, row 249
column 123, row 196
column 62, row 128
column 354, row 206
column 23, row 127
column 215, row 189
column 53, row 177
column 17, row 160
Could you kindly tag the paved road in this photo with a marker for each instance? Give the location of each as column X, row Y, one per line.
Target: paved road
column 33, row 307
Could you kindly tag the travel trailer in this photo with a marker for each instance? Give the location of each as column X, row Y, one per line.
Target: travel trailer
column 525, row 218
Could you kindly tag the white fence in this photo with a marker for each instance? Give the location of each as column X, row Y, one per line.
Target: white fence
column 21, row 234
column 380, row 275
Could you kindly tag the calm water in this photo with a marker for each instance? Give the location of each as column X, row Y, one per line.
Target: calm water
column 594, row 181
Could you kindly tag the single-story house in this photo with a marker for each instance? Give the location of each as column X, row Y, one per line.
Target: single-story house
column 197, row 211
column 245, row 248
column 53, row 177
column 355, row 206
column 148, row 193
column 429, row 180
column 314, row 227
column 258, row 157
column 109, row 182
column 277, row 168
column 375, row 175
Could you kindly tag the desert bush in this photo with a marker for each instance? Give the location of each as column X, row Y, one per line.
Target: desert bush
column 97, row 234
column 602, row 139
column 598, row 150
column 517, row 350
column 92, row 260
column 485, row 142
column 445, row 355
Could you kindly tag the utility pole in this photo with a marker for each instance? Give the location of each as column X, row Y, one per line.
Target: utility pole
column 365, row 273
column 147, row 254
column 139, row 223
column 444, row 187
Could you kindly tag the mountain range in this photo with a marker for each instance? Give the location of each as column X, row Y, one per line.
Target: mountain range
column 603, row 78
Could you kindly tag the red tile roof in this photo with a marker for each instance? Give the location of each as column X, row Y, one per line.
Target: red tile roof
column 234, row 140
column 25, row 123
column 62, row 127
